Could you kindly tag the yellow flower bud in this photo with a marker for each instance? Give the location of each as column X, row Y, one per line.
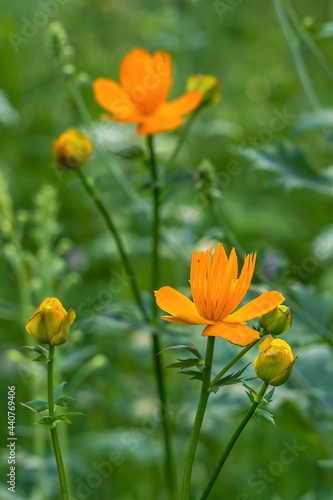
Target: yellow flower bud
column 50, row 323
column 208, row 84
column 277, row 321
column 72, row 149
column 275, row 361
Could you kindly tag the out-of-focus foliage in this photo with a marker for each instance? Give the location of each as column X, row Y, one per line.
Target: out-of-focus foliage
column 256, row 172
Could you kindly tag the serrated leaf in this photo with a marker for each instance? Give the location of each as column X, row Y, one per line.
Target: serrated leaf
column 58, row 390
column 191, row 348
column 259, row 412
column 291, row 166
column 185, row 363
column 233, row 378
column 37, row 405
column 195, row 375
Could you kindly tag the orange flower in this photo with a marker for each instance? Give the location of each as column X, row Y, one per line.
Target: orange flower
column 145, row 81
column 216, row 292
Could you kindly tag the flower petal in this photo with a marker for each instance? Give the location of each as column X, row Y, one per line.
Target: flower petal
column 155, row 125
column 181, row 308
column 146, row 79
column 111, row 97
column 236, row 333
column 181, row 106
column 261, row 305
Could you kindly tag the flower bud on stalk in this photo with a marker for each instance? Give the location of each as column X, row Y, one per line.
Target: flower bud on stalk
column 275, row 361
column 50, row 323
column 277, row 321
column 208, row 84
column 72, row 149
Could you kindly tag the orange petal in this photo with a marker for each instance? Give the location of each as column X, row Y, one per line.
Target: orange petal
column 181, row 308
column 155, row 125
column 111, row 97
column 146, row 79
column 236, row 333
column 181, row 106
column 261, row 305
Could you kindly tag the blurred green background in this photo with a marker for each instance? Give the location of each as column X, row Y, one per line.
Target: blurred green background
column 263, row 156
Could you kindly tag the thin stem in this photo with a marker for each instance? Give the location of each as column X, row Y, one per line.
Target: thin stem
column 54, row 432
column 114, row 232
column 182, row 136
column 299, row 26
column 156, row 191
column 232, row 362
column 297, row 56
column 204, row 395
column 233, row 440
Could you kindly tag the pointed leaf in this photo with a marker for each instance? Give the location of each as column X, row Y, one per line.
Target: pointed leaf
column 59, row 389
column 185, row 363
column 64, row 400
column 191, row 348
column 195, row 375
column 37, row 405
column 233, row 378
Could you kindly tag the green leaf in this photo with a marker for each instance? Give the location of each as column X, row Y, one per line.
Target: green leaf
column 316, row 120
column 59, row 389
column 131, row 153
column 194, row 374
column 36, row 405
column 233, row 378
column 326, row 463
column 50, row 422
column 63, row 401
column 43, row 354
column 291, row 167
column 186, row 363
column 191, row 348
column 260, row 412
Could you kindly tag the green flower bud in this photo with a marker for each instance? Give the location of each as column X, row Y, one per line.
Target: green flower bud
column 277, row 321
column 50, row 323
column 208, row 84
column 275, row 361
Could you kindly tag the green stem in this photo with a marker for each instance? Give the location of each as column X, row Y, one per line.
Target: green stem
column 113, row 230
column 204, row 395
column 299, row 26
column 297, row 56
column 54, row 432
column 232, row 362
column 233, row 440
column 156, row 191
column 182, row 136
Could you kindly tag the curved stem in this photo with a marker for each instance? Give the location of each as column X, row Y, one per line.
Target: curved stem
column 204, row 395
column 232, row 362
column 297, row 56
column 54, row 432
column 233, row 440
column 113, row 230
column 156, row 191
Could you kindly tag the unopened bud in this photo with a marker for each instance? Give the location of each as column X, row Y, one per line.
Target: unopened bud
column 50, row 323
column 208, row 84
column 275, row 361
column 72, row 149
column 277, row 321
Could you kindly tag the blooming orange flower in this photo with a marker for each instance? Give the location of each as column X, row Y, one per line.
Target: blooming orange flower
column 145, row 81
column 216, row 292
